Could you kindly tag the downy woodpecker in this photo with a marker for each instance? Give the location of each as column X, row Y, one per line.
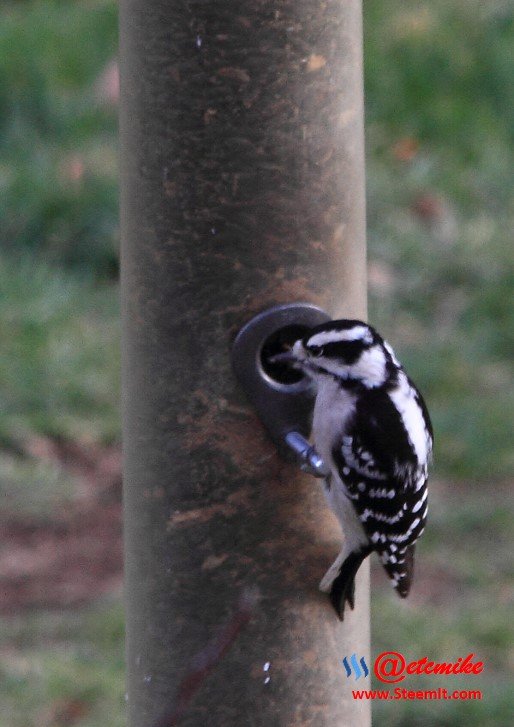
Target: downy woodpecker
column 373, row 430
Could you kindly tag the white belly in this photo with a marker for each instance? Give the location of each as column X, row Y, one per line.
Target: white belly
column 332, row 409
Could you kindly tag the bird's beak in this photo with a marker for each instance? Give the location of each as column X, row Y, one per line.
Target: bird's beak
column 286, row 357
column 295, row 355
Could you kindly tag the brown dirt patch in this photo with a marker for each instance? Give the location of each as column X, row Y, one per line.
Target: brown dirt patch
column 76, row 555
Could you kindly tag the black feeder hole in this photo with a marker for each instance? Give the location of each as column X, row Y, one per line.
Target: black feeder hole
column 279, row 342
column 282, row 396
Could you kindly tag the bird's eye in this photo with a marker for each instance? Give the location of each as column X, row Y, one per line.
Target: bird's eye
column 316, row 351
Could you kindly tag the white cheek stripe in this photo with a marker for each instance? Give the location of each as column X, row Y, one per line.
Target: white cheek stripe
column 357, row 333
column 370, row 368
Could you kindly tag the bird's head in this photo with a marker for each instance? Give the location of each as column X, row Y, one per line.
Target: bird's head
column 349, row 350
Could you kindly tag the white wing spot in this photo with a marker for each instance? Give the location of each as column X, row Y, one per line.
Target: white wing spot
column 413, row 525
column 417, row 505
column 399, row 538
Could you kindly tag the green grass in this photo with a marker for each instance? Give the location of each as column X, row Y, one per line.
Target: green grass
column 59, row 376
column 459, row 630
column 442, row 71
column 51, row 55
column 59, row 359
column 439, row 81
column 438, row 74
column 49, row 486
column 52, row 660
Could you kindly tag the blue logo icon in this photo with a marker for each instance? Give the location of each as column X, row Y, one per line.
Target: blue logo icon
column 358, row 667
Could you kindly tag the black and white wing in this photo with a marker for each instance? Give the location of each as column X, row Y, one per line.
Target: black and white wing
column 382, row 460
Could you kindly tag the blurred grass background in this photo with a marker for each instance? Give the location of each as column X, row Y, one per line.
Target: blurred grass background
column 440, row 127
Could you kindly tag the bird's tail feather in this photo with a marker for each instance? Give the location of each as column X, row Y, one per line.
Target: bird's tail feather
column 343, row 586
column 399, row 566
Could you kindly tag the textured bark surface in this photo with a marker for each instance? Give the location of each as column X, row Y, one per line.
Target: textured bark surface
column 242, row 187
